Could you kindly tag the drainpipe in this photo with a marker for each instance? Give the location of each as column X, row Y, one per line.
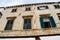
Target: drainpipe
column 37, row 38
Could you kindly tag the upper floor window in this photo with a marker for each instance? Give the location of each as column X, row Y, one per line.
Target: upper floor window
column 27, row 22
column 47, row 22
column 14, row 10
column 0, row 14
column 28, row 9
column 42, row 7
column 57, row 6
column 58, row 15
column 9, row 23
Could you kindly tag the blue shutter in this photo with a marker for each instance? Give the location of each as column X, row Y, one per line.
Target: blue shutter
column 53, row 24
column 42, row 23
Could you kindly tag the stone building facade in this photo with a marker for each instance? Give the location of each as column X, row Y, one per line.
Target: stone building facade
column 30, row 20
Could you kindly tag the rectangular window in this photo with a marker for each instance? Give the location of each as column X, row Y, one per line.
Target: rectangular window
column 42, row 7
column 28, row 9
column 9, row 25
column 57, row 6
column 27, row 24
column 47, row 22
column 14, row 10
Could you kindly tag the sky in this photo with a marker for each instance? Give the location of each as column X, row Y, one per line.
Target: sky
column 4, row 3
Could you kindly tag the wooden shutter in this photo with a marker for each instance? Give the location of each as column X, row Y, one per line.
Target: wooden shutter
column 53, row 24
column 42, row 23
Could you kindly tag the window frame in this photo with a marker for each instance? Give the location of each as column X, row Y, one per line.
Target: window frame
column 9, row 18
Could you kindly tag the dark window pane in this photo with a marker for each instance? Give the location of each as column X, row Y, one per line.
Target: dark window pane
column 47, row 25
column 9, row 25
column 28, row 9
column 29, row 20
column 57, row 6
column 46, row 7
column 14, row 10
column 59, row 17
column 0, row 13
column 25, row 20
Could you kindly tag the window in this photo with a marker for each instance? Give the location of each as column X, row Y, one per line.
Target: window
column 28, row 9
column 42, row 7
column 27, row 24
column 9, row 23
column 57, row 6
column 59, row 17
column 0, row 14
column 14, row 10
column 47, row 22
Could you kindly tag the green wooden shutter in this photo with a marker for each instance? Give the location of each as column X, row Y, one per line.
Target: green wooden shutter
column 53, row 24
column 42, row 23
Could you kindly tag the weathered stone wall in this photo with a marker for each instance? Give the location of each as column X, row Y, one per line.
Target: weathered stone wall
column 36, row 32
column 17, row 29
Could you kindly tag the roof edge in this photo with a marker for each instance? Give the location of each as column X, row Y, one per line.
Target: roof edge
column 30, row 4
